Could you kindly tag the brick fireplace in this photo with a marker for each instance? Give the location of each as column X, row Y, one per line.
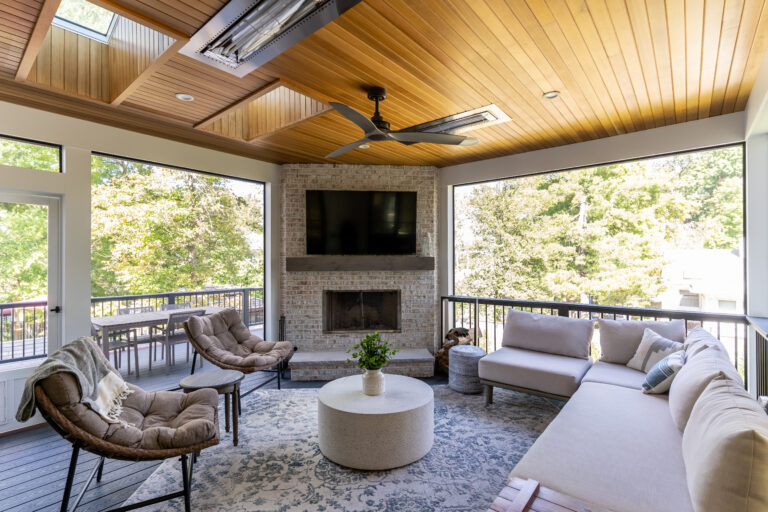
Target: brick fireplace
column 397, row 298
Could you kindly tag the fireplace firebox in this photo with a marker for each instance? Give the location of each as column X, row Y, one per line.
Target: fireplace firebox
column 361, row 310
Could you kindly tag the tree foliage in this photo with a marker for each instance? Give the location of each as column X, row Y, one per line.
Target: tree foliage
column 157, row 230
column 23, row 251
column 595, row 234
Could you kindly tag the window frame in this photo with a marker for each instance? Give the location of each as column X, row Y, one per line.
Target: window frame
column 57, row 147
column 741, row 144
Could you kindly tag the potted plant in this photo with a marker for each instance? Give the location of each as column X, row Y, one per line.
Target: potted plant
column 372, row 355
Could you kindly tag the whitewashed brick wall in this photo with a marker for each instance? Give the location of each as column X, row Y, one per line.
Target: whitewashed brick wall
column 302, row 292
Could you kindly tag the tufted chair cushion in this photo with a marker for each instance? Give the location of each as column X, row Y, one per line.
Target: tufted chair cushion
column 226, row 339
column 160, row 420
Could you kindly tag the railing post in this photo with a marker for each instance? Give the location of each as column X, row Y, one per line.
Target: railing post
column 246, row 306
column 171, row 298
column 477, row 322
column 563, row 311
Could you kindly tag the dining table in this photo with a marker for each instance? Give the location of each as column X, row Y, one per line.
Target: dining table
column 107, row 324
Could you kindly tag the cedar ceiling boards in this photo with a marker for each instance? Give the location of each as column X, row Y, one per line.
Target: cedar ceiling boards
column 621, row 66
column 17, row 20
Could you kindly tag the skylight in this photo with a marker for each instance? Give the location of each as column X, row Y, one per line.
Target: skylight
column 85, row 19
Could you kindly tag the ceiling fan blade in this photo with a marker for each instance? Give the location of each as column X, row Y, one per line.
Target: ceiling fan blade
column 347, row 147
column 356, row 117
column 433, row 138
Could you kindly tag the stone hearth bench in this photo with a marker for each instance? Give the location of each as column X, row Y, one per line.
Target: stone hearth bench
column 332, row 364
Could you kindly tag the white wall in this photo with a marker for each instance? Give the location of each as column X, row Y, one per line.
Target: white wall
column 78, row 138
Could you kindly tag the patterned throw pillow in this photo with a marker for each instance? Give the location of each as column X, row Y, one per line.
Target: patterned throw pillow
column 660, row 377
column 653, row 348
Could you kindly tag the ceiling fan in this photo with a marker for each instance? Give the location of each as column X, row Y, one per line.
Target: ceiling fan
column 376, row 129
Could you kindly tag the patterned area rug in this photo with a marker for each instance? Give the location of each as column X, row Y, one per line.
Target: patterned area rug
column 278, row 465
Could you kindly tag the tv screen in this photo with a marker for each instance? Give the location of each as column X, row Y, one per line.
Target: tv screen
column 361, row 222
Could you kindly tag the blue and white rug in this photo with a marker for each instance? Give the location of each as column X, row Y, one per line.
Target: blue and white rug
column 278, row 465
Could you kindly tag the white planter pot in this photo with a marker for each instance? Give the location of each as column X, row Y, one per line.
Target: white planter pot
column 373, row 382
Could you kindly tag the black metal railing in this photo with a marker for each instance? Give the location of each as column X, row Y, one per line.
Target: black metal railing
column 24, row 325
column 486, row 318
column 225, row 298
column 23, row 330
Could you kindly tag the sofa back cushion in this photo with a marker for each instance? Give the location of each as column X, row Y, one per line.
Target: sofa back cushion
column 696, row 374
column 699, row 339
column 725, row 450
column 548, row 333
column 619, row 339
column 224, row 330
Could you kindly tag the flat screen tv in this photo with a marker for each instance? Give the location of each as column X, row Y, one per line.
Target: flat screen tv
column 361, row 222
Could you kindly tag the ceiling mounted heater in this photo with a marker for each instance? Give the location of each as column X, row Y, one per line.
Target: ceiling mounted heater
column 247, row 34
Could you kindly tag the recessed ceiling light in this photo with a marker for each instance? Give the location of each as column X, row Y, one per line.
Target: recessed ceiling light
column 550, row 95
column 364, row 146
column 184, row 96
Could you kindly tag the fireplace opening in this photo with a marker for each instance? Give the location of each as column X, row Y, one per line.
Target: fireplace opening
column 361, row 310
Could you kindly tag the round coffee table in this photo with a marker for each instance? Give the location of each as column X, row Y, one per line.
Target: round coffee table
column 375, row 432
column 225, row 382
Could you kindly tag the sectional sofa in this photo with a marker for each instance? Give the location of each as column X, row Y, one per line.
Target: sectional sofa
column 701, row 447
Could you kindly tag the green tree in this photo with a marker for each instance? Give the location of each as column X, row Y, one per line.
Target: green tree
column 157, row 230
column 31, row 156
column 595, row 234
column 23, row 251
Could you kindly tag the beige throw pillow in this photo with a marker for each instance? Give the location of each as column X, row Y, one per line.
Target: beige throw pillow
column 548, row 333
column 619, row 339
column 653, row 348
column 725, row 450
column 693, row 378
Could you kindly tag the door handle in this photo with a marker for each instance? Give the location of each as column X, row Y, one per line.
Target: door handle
column 57, row 309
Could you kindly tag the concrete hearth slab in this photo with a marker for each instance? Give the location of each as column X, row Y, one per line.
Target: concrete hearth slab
column 332, row 364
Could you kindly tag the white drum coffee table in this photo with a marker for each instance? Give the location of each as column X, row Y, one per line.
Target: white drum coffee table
column 375, row 432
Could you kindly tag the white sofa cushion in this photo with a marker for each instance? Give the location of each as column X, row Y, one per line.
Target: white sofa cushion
column 697, row 372
column 699, row 339
column 619, row 339
column 652, row 349
column 659, row 378
column 725, row 449
column 616, row 374
column 550, row 373
column 548, row 333
column 612, row 447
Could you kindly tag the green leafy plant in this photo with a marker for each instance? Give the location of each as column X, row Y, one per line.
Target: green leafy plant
column 372, row 352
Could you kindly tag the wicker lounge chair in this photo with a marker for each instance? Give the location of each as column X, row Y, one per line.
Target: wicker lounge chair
column 167, row 424
column 224, row 340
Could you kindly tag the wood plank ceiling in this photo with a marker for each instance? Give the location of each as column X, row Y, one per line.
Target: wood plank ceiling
column 620, row 65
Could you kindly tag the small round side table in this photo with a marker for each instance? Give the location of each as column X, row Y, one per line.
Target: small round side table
column 225, row 382
column 462, row 368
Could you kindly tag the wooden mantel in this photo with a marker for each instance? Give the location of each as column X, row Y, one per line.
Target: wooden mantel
column 352, row 263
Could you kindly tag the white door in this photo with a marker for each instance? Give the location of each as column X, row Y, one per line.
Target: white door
column 30, row 292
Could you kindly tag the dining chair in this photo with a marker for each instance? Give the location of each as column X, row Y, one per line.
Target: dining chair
column 134, row 310
column 173, row 307
column 119, row 341
column 168, row 336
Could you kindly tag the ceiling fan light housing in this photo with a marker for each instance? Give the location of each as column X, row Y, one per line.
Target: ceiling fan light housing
column 247, row 34
column 459, row 123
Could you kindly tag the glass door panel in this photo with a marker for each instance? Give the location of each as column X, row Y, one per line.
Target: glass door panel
column 28, row 280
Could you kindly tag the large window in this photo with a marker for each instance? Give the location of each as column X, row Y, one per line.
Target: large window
column 155, row 230
column 661, row 232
